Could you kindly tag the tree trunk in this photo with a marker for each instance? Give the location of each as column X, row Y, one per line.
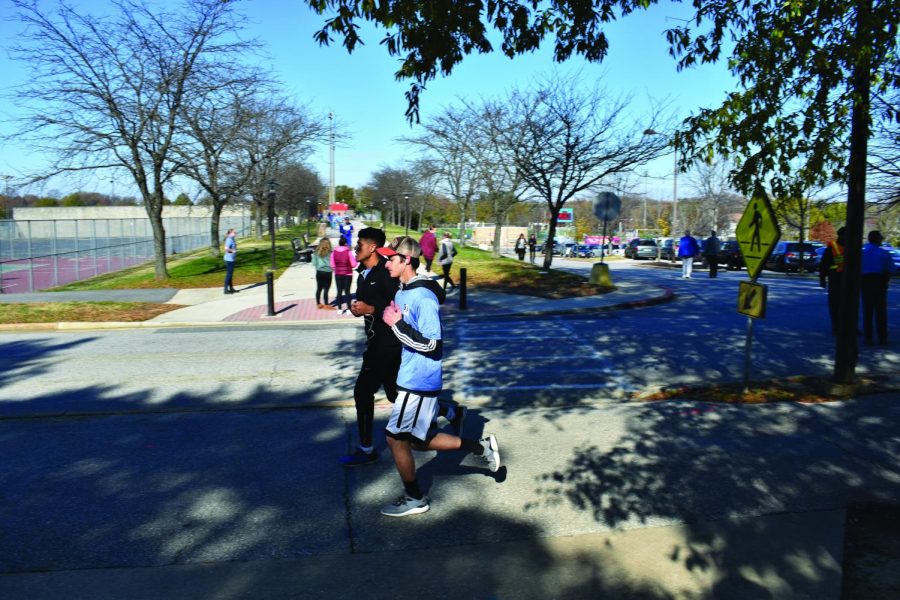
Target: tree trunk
column 462, row 223
column 498, row 231
column 846, row 350
column 154, row 212
column 548, row 245
column 215, row 247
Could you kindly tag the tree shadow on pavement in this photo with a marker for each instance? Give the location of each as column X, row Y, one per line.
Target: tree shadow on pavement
column 701, row 463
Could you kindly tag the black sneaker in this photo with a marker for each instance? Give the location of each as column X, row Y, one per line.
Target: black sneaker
column 458, row 420
column 359, row 458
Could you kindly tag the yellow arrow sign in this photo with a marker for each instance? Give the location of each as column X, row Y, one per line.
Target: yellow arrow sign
column 752, row 299
column 757, row 233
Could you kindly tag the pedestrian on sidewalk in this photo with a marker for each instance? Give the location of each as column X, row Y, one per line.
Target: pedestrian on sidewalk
column 230, row 256
column 532, row 247
column 877, row 268
column 346, row 230
column 428, row 243
column 343, row 262
column 414, row 319
column 831, row 269
column 688, row 248
column 521, row 244
column 445, row 258
column 322, row 264
column 711, row 250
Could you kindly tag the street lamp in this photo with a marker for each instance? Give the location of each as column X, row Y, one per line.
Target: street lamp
column 383, row 211
column 308, row 216
column 406, row 200
column 271, row 214
column 674, row 181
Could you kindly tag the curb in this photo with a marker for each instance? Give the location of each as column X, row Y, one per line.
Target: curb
column 667, row 296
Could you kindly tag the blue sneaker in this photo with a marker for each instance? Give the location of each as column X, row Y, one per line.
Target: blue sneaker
column 359, row 458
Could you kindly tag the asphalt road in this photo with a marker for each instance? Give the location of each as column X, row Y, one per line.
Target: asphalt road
column 191, row 447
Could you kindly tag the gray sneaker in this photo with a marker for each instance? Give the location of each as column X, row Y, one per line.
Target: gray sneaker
column 405, row 506
column 491, row 452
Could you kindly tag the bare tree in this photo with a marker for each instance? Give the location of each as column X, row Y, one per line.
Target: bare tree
column 277, row 133
column 301, row 190
column 445, row 138
column 573, row 139
column 495, row 134
column 884, row 149
column 389, row 185
column 427, row 172
column 106, row 91
column 214, row 122
column 711, row 180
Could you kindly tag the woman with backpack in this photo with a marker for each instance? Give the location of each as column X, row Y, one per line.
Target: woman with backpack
column 343, row 261
column 445, row 259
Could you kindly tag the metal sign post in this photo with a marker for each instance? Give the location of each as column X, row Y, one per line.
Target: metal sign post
column 606, row 206
column 757, row 233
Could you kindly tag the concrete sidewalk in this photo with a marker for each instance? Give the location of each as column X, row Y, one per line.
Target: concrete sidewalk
column 294, row 303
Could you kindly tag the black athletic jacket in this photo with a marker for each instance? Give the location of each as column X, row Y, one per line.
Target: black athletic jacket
column 377, row 289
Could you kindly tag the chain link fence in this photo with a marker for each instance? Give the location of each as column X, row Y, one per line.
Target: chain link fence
column 40, row 254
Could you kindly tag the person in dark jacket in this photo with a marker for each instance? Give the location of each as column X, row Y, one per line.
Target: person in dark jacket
column 831, row 270
column 711, row 250
column 375, row 290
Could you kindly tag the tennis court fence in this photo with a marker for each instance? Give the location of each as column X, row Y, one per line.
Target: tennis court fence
column 40, row 254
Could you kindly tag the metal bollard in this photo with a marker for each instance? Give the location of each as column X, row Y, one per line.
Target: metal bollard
column 270, row 292
column 462, row 289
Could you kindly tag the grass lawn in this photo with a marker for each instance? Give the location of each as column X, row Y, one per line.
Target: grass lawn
column 508, row 274
column 53, row 312
column 200, row 270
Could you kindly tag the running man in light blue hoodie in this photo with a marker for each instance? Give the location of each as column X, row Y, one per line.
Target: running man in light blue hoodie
column 414, row 318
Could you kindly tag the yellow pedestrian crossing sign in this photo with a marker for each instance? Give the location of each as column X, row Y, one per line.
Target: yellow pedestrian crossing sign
column 757, row 233
column 752, row 299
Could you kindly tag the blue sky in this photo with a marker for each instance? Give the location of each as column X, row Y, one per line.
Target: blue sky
column 360, row 87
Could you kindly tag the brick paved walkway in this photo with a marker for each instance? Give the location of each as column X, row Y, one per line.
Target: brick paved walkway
column 294, row 310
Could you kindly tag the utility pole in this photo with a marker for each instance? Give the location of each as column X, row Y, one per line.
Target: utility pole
column 331, row 161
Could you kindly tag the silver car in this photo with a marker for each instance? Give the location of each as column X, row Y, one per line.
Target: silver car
column 641, row 248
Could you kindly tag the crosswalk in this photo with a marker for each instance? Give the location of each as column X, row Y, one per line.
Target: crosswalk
column 521, row 360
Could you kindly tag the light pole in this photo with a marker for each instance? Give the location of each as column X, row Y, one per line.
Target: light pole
column 674, row 181
column 383, row 211
column 308, row 216
column 406, row 200
column 271, row 215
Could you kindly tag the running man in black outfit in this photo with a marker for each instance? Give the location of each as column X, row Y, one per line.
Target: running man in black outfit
column 375, row 290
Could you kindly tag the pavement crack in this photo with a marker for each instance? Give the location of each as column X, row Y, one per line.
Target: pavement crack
column 348, row 507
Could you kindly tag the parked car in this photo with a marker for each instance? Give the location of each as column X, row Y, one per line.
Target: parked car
column 641, row 248
column 786, row 256
column 730, row 255
column 667, row 249
column 580, row 251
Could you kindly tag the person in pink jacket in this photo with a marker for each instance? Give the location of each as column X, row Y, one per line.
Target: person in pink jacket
column 428, row 244
column 343, row 261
